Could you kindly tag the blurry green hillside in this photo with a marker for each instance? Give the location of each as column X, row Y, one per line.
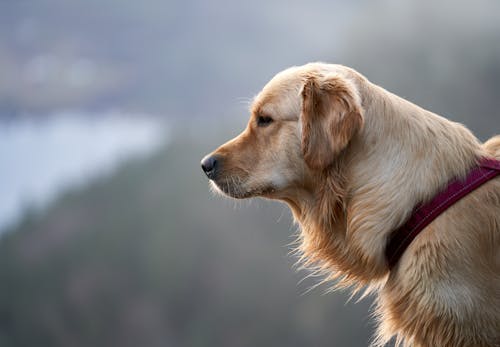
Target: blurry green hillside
column 149, row 257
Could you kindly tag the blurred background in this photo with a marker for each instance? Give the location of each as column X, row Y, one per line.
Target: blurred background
column 109, row 235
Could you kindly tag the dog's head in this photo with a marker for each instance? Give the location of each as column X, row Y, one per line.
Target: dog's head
column 300, row 122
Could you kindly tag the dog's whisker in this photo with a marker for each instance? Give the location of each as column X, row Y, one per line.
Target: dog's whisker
column 245, row 100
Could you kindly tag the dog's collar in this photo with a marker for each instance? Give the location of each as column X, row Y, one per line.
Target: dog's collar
column 424, row 214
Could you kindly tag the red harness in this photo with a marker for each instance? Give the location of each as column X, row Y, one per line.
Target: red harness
column 424, row 214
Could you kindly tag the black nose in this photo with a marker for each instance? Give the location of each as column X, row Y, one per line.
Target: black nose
column 209, row 166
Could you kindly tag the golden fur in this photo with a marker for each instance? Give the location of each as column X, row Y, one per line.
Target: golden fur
column 352, row 160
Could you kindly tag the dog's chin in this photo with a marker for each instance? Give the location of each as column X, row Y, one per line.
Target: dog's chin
column 240, row 192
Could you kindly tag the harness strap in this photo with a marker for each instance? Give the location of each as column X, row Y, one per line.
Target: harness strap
column 423, row 215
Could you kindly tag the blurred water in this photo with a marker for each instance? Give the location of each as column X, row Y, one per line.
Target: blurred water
column 40, row 156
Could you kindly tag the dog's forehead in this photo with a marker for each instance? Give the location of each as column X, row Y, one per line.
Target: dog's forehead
column 280, row 97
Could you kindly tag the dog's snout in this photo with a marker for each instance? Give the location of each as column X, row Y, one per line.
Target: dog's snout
column 209, row 165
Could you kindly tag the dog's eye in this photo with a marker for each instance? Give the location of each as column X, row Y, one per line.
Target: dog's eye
column 263, row 121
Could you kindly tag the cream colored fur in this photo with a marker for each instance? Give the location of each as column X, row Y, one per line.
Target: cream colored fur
column 352, row 161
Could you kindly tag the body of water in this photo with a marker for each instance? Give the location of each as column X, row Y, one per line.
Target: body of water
column 40, row 156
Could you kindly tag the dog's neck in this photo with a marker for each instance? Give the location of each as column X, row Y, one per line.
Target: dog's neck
column 374, row 186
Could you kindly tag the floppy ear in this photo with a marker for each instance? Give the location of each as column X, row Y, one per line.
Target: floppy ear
column 331, row 116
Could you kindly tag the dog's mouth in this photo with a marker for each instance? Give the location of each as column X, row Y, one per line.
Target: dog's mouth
column 235, row 188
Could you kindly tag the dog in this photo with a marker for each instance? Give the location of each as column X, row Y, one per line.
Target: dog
column 353, row 161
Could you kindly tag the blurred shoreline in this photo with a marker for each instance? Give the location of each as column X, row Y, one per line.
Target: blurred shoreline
column 45, row 155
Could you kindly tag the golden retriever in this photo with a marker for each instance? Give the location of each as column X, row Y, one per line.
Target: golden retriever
column 352, row 161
